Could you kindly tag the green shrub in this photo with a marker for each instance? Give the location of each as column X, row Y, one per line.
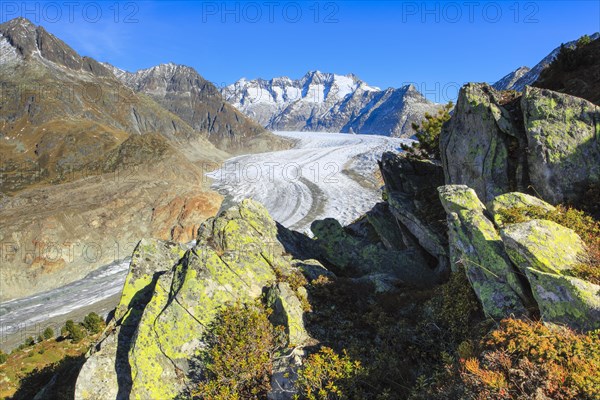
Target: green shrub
column 93, row 323
column 3, row 357
column 48, row 333
column 239, row 360
column 583, row 41
column 428, row 135
column 455, row 306
column 324, row 375
column 30, row 341
column 73, row 331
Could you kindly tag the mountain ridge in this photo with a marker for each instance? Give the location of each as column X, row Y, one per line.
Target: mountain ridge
column 321, row 101
column 532, row 74
column 183, row 91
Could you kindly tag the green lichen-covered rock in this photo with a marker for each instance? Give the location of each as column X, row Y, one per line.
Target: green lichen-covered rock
column 563, row 133
column 543, row 245
column 477, row 141
column 287, row 311
column 457, row 198
column 545, row 252
column 152, row 373
column 475, row 244
column 566, row 299
column 106, row 374
column 514, row 200
column 332, row 237
column 98, row 374
column 385, row 226
column 150, row 257
column 233, row 260
column 170, row 299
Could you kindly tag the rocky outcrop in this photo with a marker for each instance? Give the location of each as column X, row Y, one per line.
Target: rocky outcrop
column 171, row 296
column 107, row 373
column 411, row 191
column 546, row 252
column 356, row 256
column 476, row 246
column 498, row 142
column 482, row 144
column 517, row 269
column 563, row 135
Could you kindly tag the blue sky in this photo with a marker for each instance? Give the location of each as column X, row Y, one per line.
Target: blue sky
column 436, row 45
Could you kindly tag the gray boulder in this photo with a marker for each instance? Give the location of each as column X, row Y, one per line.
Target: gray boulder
column 476, row 246
column 563, row 134
column 546, row 252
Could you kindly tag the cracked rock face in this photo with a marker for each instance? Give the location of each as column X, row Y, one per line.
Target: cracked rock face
column 563, row 134
column 498, row 142
column 171, row 295
column 476, row 245
column 480, row 145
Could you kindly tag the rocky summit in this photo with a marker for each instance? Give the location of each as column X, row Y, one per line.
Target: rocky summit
column 181, row 90
column 539, row 140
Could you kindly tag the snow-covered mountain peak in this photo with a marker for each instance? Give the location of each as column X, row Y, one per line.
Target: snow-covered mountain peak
column 321, row 101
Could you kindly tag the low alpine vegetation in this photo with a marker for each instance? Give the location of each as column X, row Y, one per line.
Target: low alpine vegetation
column 241, row 347
column 325, row 375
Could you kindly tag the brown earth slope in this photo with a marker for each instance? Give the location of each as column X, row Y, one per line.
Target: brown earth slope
column 89, row 166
